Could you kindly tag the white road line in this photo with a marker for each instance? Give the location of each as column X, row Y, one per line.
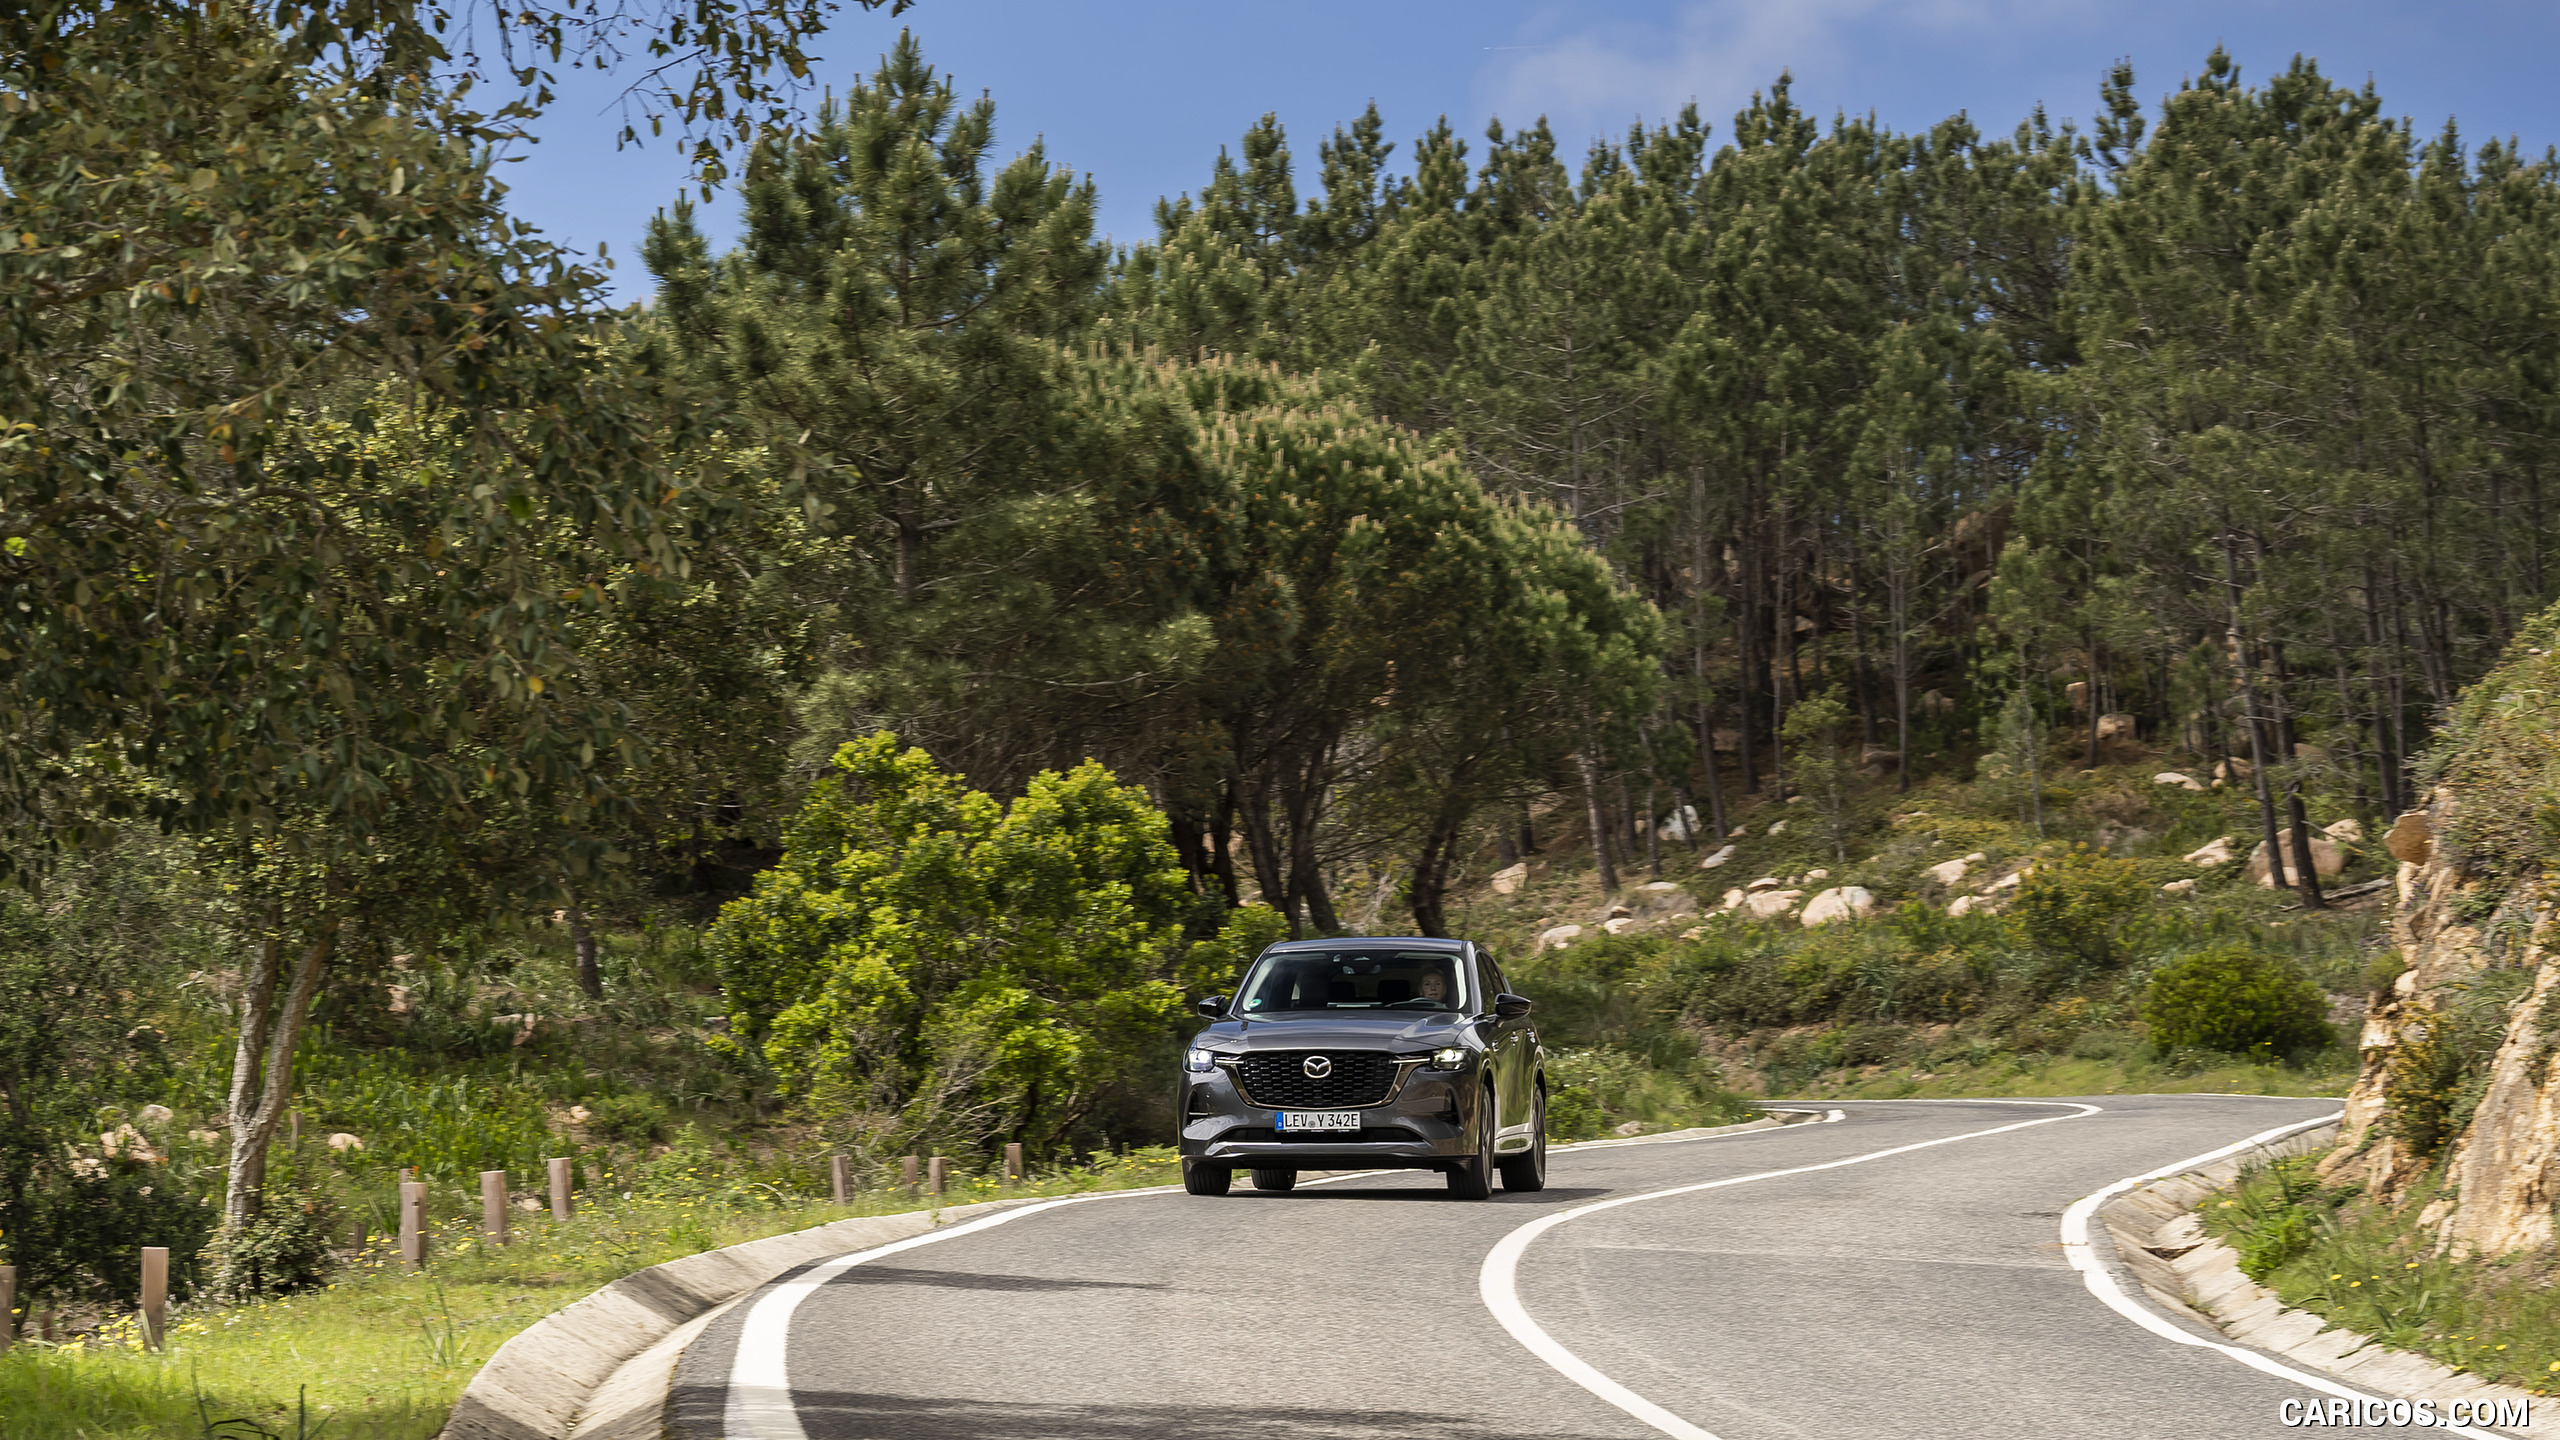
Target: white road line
column 2075, row 1244
column 759, row 1406
column 1498, row 1282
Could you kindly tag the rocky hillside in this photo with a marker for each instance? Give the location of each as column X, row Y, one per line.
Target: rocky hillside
column 2457, row 1106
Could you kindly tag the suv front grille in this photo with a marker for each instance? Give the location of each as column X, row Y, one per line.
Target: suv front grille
column 1278, row 1079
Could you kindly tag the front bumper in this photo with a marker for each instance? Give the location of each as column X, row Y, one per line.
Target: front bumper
column 1424, row 1123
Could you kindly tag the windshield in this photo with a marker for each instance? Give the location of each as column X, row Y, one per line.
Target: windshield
column 1363, row 979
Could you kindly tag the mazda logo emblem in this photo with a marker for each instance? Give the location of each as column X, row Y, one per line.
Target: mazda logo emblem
column 1318, row 1067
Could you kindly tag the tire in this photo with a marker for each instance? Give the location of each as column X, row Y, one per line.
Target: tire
column 1472, row 1179
column 1278, row 1182
column 1524, row 1173
column 1199, row 1179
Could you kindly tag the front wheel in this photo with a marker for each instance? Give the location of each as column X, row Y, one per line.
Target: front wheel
column 1472, row 1179
column 1528, row 1170
column 1276, row 1181
column 1200, row 1179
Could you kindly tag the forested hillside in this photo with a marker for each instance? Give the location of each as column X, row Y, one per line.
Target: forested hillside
column 851, row 701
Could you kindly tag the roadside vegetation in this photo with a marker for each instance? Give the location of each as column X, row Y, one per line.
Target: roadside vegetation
column 2373, row 1269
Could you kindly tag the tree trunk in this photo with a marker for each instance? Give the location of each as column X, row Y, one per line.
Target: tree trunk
column 1599, row 824
column 583, row 941
column 269, row 1032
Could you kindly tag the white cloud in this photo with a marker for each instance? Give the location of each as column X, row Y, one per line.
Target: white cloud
column 1596, row 76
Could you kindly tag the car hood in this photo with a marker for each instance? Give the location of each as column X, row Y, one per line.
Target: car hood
column 1415, row 1030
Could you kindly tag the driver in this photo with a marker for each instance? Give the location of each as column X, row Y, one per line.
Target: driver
column 1432, row 984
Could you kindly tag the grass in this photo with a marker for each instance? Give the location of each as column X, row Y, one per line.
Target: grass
column 381, row 1354
column 2370, row 1268
column 2115, row 1065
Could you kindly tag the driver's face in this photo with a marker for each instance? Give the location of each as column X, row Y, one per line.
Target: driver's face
column 1433, row 987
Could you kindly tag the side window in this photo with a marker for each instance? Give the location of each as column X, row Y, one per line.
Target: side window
column 1492, row 973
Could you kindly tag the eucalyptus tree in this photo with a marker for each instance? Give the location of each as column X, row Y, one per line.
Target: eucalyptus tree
column 311, row 463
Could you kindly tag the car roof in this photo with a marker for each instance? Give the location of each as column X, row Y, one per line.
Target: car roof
column 1341, row 940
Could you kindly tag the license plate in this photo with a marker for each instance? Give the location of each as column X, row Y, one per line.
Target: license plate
column 1294, row 1122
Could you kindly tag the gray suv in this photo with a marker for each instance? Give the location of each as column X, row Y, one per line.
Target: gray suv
column 1365, row 1053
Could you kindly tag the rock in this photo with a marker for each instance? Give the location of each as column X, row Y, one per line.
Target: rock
column 1620, row 924
column 2326, row 859
column 1966, row 905
column 2231, row 769
column 205, row 1137
column 2009, row 881
column 1728, row 741
column 2177, row 778
column 2178, row 887
column 1509, row 879
column 1733, row 898
column 1878, row 763
column 1977, row 858
column 2077, row 692
column 2115, row 727
column 1716, row 861
column 2345, row 832
column 1846, row 902
column 1632, row 1127
column 1770, row 904
column 1795, row 799
column 530, row 1204
column 2216, row 852
column 2411, row 839
column 1934, row 702
column 342, row 1141
column 1948, row 872
column 1737, row 832
column 1817, row 874
column 1559, row 937
column 125, row 1142
column 1765, row 882
column 2310, row 754
column 1778, row 828
column 2112, row 836
column 1680, row 824
column 157, row 1115
column 579, row 1115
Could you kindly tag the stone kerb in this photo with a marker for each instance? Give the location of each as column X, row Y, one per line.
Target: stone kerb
column 571, row 1373
column 2189, row 1273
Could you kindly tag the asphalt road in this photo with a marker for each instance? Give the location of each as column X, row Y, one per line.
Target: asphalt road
column 1916, row 1296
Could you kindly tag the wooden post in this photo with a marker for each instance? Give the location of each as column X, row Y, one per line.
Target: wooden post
column 8, row 1307
column 840, row 1172
column 561, row 1205
column 413, row 1224
column 1012, row 1164
column 907, row 1173
column 940, row 1171
column 155, row 1296
column 493, row 1206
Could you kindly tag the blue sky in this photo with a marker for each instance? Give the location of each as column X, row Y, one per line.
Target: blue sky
column 1141, row 93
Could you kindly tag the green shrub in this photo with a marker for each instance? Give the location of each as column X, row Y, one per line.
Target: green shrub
column 2238, row 1000
column 630, row 1119
column 284, row 1250
column 2075, row 907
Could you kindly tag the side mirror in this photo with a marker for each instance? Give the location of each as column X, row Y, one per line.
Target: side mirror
column 1213, row 1006
column 1510, row 1006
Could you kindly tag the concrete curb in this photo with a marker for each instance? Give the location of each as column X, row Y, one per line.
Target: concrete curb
column 598, row 1368
column 2159, row 1241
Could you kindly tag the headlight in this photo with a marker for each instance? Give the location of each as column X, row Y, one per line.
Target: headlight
column 1200, row 1063
column 1453, row 1057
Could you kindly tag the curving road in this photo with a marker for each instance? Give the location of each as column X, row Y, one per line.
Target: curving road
column 1916, row 1295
